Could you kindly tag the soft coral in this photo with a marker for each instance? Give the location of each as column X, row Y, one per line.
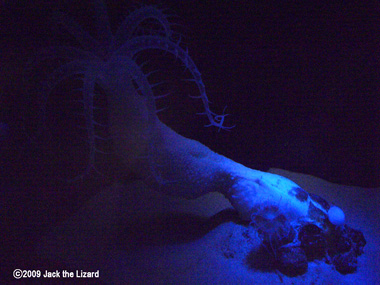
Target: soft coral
column 109, row 61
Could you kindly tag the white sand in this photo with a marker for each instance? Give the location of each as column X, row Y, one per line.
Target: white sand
column 137, row 236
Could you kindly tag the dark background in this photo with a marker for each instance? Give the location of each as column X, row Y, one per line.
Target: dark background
column 299, row 78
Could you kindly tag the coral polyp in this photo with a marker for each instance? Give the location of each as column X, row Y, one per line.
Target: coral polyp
column 109, row 61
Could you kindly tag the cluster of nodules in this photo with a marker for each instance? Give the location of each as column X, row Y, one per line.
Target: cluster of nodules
column 289, row 249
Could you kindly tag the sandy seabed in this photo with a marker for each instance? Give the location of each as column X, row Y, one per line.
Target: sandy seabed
column 133, row 235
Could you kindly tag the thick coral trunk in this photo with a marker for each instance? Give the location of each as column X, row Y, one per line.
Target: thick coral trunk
column 186, row 168
column 182, row 167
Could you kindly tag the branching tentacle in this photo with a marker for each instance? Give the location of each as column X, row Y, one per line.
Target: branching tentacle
column 60, row 74
column 88, row 104
column 130, row 23
column 142, row 43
